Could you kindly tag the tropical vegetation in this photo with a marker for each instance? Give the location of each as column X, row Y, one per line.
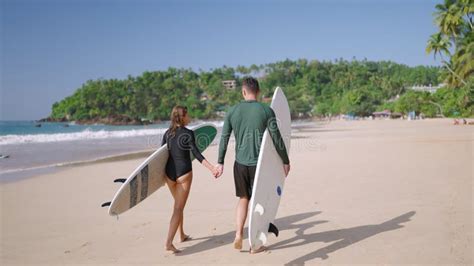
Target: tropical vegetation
column 312, row 88
column 454, row 43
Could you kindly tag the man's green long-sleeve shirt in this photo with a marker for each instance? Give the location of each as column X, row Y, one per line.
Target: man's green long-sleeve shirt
column 248, row 120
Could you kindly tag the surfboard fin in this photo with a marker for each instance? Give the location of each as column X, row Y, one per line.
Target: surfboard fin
column 120, row 180
column 273, row 229
column 105, row 204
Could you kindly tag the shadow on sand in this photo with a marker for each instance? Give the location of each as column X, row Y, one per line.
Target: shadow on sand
column 211, row 242
column 341, row 237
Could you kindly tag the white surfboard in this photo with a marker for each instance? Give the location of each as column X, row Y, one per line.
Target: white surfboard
column 269, row 177
column 149, row 176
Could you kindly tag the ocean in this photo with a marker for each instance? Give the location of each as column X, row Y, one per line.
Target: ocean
column 27, row 149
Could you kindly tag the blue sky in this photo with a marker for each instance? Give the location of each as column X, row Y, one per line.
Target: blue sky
column 49, row 48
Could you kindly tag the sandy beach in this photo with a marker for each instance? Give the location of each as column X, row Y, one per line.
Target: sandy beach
column 359, row 192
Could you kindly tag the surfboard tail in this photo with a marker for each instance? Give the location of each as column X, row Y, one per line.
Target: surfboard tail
column 273, row 229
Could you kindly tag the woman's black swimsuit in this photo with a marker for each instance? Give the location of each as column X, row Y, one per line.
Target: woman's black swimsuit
column 179, row 145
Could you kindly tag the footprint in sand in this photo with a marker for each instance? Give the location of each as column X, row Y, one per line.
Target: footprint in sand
column 141, row 225
column 81, row 247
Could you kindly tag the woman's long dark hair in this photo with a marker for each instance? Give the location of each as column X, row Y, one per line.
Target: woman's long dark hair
column 177, row 118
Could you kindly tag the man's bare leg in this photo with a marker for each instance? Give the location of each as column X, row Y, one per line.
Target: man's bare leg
column 241, row 216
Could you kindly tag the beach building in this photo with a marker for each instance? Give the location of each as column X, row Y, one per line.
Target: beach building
column 382, row 114
column 229, row 84
column 204, row 97
column 429, row 88
column 386, row 114
column 396, row 115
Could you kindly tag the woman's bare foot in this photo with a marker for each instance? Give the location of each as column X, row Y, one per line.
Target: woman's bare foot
column 172, row 249
column 185, row 237
column 260, row 249
column 238, row 243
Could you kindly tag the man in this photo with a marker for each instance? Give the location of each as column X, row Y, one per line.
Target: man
column 248, row 120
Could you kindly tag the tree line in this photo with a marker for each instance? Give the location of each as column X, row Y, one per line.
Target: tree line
column 312, row 87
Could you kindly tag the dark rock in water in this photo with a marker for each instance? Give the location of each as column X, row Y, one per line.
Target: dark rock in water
column 38, row 125
column 4, row 156
column 50, row 119
column 65, row 125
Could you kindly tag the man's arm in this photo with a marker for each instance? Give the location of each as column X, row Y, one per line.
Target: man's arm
column 225, row 136
column 277, row 138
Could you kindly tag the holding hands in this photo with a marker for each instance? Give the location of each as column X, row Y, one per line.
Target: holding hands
column 215, row 170
column 220, row 170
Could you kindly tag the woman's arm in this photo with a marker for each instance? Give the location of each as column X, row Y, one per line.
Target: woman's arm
column 210, row 167
column 192, row 145
column 199, row 156
column 163, row 140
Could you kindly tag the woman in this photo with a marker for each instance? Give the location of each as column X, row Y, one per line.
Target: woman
column 179, row 172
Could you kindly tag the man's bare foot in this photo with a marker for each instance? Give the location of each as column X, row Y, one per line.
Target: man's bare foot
column 238, row 243
column 260, row 249
column 185, row 237
column 172, row 249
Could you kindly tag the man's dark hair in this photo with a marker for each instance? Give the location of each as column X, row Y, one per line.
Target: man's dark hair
column 251, row 84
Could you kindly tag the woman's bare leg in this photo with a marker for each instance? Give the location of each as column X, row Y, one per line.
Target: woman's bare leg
column 182, row 236
column 172, row 187
column 185, row 181
column 181, row 192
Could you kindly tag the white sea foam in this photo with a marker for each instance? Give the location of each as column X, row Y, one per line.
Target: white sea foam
column 86, row 134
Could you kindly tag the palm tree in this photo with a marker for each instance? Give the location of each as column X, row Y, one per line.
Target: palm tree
column 467, row 9
column 439, row 44
column 449, row 17
column 450, row 77
column 463, row 57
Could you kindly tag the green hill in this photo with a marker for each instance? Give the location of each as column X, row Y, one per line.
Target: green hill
column 313, row 88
